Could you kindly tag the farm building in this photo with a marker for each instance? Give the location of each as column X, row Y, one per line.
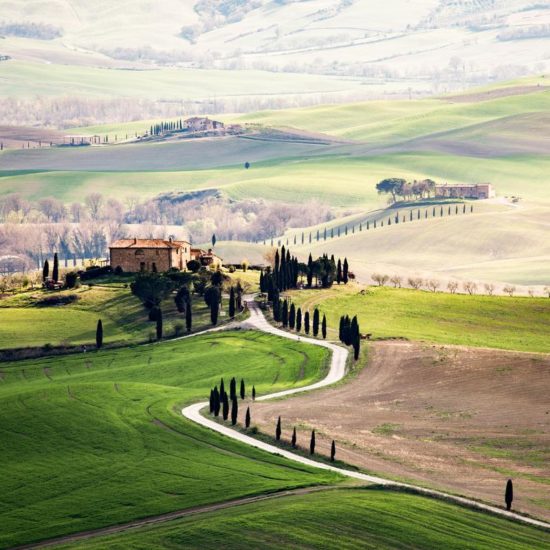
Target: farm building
column 203, row 124
column 465, row 191
column 134, row 255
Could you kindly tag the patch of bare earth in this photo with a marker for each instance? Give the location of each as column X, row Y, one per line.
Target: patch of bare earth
column 457, row 419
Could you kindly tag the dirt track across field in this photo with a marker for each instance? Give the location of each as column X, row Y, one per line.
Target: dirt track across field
column 452, row 418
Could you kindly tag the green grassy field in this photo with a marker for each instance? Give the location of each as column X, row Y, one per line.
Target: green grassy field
column 521, row 324
column 123, row 316
column 361, row 518
column 97, row 439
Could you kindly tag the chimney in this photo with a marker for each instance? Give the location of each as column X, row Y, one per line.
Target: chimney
column 135, row 240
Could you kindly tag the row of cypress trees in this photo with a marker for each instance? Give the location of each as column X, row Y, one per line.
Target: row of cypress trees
column 292, row 318
column 349, row 334
column 55, row 269
column 294, row 440
column 169, row 126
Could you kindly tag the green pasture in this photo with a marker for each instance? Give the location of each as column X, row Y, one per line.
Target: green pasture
column 343, row 518
column 521, row 324
column 95, row 439
column 24, row 324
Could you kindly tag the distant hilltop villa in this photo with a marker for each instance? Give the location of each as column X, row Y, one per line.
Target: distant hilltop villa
column 466, row 191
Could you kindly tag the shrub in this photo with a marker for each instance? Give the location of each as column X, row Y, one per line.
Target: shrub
column 57, row 300
column 119, row 270
column 71, row 279
column 179, row 328
column 193, row 266
column 231, row 269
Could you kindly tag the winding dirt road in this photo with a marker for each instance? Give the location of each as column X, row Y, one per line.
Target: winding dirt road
column 336, row 372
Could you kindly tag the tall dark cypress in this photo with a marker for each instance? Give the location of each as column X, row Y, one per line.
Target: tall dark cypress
column 253, row 393
column 293, row 441
column 45, row 270
column 278, row 429
column 232, row 303
column 284, row 316
column 312, row 443
column 299, row 320
column 339, row 272
column 214, row 310
column 211, row 402
column 216, row 401
column 55, row 270
column 232, row 388
column 225, row 406
column 292, row 317
column 99, row 335
column 222, row 388
column 332, row 451
column 324, row 327
column 306, row 322
column 188, row 317
column 247, row 418
column 243, row 389
column 341, row 329
column 315, row 322
column 159, row 324
column 234, row 411
column 309, row 271
column 345, row 271
column 509, row 494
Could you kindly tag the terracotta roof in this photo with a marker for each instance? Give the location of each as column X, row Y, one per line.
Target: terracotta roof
column 146, row 243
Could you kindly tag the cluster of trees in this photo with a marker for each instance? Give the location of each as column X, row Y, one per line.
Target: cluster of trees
column 289, row 316
column 166, row 126
column 406, row 189
column 25, row 29
column 349, row 334
column 219, row 401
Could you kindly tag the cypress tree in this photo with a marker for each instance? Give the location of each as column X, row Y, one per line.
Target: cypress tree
column 341, row 329
column 216, row 401
column 292, row 317
column 299, row 320
column 232, row 303
column 188, row 317
column 247, row 418
column 222, row 388
column 356, row 346
column 312, row 443
column 253, row 393
column 99, row 335
column 284, row 316
column 332, row 451
column 345, row 272
column 278, row 430
column 464, row 208
column 214, row 310
column 159, row 324
column 339, row 272
column 211, row 402
column 471, row 208
column 309, row 271
column 243, row 390
column 225, row 408
column 45, row 270
column 315, row 322
column 324, row 327
column 234, row 411
column 232, row 388
column 293, row 441
column 55, row 270
column 306, row 322
column 509, row 494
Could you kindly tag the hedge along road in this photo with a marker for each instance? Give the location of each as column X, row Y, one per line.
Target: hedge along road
column 336, row 372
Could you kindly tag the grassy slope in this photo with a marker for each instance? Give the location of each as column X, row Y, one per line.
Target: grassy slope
column 103, row 441
column 371, row 518
column 521, row 324
column 124, row 318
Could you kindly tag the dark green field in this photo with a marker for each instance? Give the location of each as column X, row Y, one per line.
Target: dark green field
column 97, row 439
column 368, row 518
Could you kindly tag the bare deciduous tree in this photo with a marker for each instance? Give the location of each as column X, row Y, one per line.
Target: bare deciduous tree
column 470, row 287
column 380, row 278
column 489, row 288
column 452, row 287
column 396, row 281
column 509, row 289
column 94, row 202
column 433, row 284
column 415, row 282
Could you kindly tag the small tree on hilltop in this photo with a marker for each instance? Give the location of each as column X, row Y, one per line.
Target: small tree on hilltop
column 278, row 429
column 509, row 289
column 415, row 282
column 489, row 288
column 470, row 287
column 396, row 281
column 433, row 284
column 509, row 494
column 312, row 443
column 380, row 278
column 452, row 287
column 99, row 335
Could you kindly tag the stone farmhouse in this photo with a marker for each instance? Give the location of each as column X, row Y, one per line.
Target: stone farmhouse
column 465, row 191
column 203, row 124
column 135, row 255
